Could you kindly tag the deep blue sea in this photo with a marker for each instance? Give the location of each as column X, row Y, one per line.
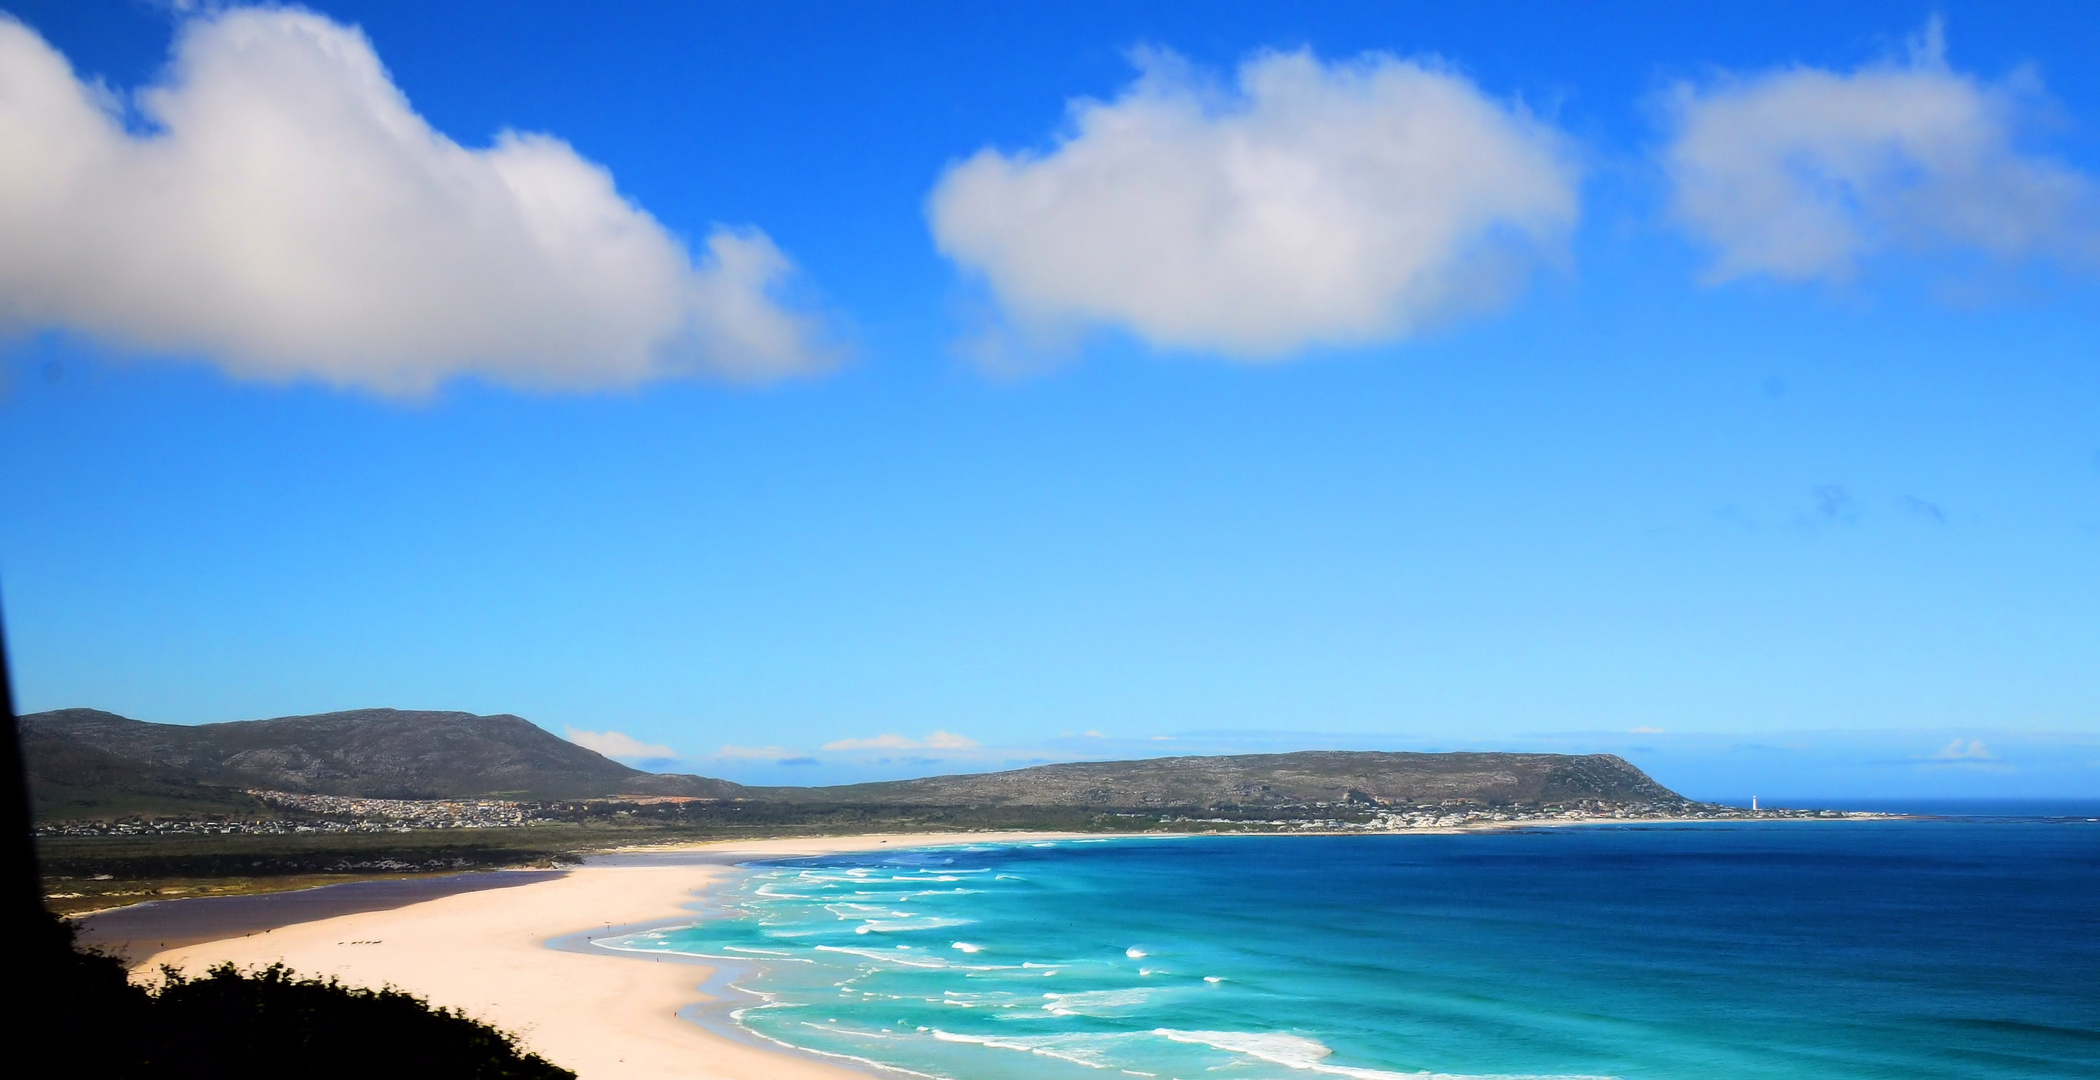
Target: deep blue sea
column 1831, row 950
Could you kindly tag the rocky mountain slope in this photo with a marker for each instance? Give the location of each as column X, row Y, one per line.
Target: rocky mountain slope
column 374, row 753
column 1253, row 780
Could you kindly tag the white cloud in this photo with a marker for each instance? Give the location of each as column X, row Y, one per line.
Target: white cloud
column 287, row 214
column 615, row 744
column 753, row 753
column 1308, row 204
column 1803, row 173
column 939, row 740
column 1958, row 750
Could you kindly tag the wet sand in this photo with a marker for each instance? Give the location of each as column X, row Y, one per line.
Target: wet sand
column 141, row 930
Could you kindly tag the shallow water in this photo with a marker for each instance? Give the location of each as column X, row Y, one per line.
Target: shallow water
column 1791, row 949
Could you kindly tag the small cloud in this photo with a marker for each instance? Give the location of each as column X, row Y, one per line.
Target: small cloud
column 752, row 753
column 1923, row 509
column 1092, row 734
column 804, row 760
column 1645, row 731
column 616, row 744
column 1968, row 755
column 1736, row 516
column 879, row 742
column 1836, row 505
column 939, row 740
column 1972, row 750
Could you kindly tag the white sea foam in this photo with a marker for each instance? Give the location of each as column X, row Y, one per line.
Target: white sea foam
column 1134, row 952
column 1090, row 1049
column 879, row 1066
column 928, row 961
column 993, row 999
column 1097, row 1003
column 1300, row 1053
column 898, row 926
column 964, row 946
column 861, row 911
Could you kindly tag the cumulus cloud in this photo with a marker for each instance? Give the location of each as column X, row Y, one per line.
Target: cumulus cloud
column 1803, row 173
column 1309, row 203
column 276, row 205
column 939, row 740
column 615, row 744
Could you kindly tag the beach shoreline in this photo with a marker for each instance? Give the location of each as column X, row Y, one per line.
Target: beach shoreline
column 519, row 956
column 605, row 1015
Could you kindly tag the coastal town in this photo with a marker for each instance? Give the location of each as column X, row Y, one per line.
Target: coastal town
column 302, row 814
column 1400, row 819
column 318, row 814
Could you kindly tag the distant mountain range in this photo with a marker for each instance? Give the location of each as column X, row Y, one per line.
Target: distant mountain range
column 84, row 763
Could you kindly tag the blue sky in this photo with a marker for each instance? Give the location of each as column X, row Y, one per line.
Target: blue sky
column 1677, row 383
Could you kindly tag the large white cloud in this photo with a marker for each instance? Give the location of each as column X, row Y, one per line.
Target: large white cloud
column 618, row 744
column 1804, row 173
column 1310, row 203
column 286, row 213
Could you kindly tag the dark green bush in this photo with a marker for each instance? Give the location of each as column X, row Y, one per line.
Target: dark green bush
column 235, row 1025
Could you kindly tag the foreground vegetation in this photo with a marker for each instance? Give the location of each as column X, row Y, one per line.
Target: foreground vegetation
column 235, row 1025
column 91, row 873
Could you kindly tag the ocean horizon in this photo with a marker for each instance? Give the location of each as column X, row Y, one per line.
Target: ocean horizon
column 2058, row 807
column 1843, row 949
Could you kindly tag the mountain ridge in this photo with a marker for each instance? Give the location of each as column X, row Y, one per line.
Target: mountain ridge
column 1289, row 779
column 85, row 762
column 370, row 753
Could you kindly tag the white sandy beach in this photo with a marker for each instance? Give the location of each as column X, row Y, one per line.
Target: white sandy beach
column 605, row 1016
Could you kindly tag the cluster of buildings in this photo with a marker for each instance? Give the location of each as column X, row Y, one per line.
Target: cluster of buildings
column 1392, row 819
column 413, row 813
column 318, row 814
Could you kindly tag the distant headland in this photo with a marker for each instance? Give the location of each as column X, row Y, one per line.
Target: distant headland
column 128, row 808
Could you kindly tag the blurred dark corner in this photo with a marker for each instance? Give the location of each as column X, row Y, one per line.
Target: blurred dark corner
column 25, row 892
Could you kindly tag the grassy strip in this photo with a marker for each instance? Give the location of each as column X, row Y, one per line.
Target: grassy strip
column 91, row 873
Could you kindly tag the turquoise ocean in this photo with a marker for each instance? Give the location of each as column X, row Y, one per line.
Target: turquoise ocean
column 1887, row 949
